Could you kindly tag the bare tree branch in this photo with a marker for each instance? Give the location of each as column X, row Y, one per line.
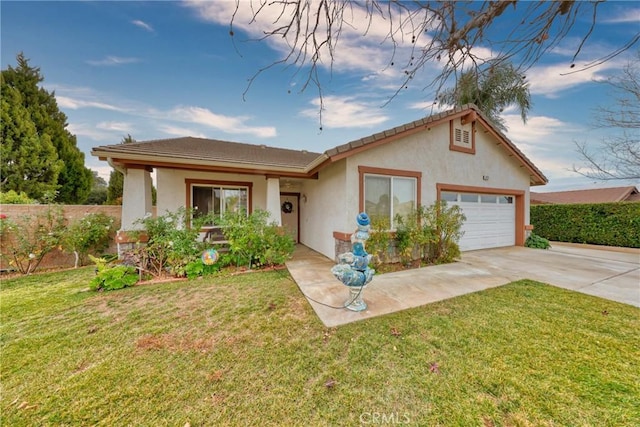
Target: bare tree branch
column 619, row 156
column 456, row 35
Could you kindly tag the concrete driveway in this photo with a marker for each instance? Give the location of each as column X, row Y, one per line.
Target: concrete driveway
column 607, row 274
column 603, row 273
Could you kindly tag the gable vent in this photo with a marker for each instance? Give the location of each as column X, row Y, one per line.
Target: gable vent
column 461, row 136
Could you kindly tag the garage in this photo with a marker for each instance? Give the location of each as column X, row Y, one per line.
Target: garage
column 491, row 219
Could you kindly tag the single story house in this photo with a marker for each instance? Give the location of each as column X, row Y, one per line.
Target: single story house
column 457, row 155
column 629, row 193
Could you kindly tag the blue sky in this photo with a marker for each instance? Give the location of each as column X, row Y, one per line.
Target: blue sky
column 167, row 69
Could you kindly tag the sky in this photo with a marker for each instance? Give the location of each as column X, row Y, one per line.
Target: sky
column 166, row 69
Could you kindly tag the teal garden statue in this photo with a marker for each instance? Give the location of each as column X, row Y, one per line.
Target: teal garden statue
column 353, row 270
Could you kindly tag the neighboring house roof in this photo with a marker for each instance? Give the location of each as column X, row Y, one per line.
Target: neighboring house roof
column 210, row 154
column 595, row 195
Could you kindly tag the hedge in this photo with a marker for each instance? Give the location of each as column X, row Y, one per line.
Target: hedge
column 609, row 224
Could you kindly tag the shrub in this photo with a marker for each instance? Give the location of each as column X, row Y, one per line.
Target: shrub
column 197, row 268
column 379, row 240
column 446, row 224
column 430, row 233
column 404, row 239
column 111, row 277
column 26, row 241
column 172, row 243
column 90, row 233
column 13, row 198
column 610, row 224
column 537, row 242
column 255, row 242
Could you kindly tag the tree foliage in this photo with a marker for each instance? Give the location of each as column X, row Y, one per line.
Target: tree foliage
column 619, row 156
column 492, row 91
column 37, row 127
column 30, row 163
column 98, row 195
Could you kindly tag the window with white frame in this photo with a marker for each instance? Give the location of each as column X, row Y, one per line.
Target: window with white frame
column 388, row 196
column 218, row 199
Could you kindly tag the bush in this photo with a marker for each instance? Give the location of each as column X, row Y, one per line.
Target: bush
column 197, row 268
column 255, row 242
column 91, row 233
column 609, row 224
column 379, row 240
column 13, row 198
column 172, row 243
column 537, row 242
column 446, row 223
column 430, row 233
column 26, row 241
column 111, row 277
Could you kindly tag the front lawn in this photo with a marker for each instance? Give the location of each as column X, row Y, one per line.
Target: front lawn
column 248, row 350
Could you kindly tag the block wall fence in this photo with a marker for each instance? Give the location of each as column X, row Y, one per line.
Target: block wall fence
column 58, row 258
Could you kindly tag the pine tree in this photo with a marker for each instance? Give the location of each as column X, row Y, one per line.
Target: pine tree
column 30, row 163
column 73, row 179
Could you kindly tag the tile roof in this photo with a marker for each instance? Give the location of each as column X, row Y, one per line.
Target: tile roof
column 184, row 150
column 213, row 150
column 595, row 195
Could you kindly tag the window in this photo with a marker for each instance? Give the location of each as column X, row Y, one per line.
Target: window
column 488, row 199
column 218, row 199
column 469, row 198
column 505, row 199
column 448, row 196
column 388, row 196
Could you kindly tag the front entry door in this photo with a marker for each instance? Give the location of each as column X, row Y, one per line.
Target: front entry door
column 289, row 207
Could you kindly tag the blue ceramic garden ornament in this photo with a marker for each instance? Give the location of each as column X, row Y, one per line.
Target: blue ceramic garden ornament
column 353, row 270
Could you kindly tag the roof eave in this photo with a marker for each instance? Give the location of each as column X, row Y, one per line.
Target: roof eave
column 160, row 161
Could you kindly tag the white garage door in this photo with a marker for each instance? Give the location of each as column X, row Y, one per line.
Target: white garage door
column 491, row 219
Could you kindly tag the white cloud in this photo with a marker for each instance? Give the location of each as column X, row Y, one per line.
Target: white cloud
column 549, row 80
column 143, row 25
column 228, row 124
column 626, row 15
column 346, row 112
column 180, row 131
column 430, row 107
column 90, row 131
column 115, row 126
column 112, row 61
column 75, row 103
column 537, row 129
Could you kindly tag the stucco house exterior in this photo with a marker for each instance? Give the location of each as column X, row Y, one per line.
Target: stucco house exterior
column 457, row 155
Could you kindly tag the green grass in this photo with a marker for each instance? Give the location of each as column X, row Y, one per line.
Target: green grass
column 248, row 350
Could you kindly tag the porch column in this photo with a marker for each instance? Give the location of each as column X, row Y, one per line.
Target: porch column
column 273, row 199
column 136, row 197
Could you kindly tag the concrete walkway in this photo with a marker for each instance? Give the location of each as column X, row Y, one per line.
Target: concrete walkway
column 607, row 274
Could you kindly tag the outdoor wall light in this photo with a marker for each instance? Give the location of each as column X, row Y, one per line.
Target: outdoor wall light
column 485, row 177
